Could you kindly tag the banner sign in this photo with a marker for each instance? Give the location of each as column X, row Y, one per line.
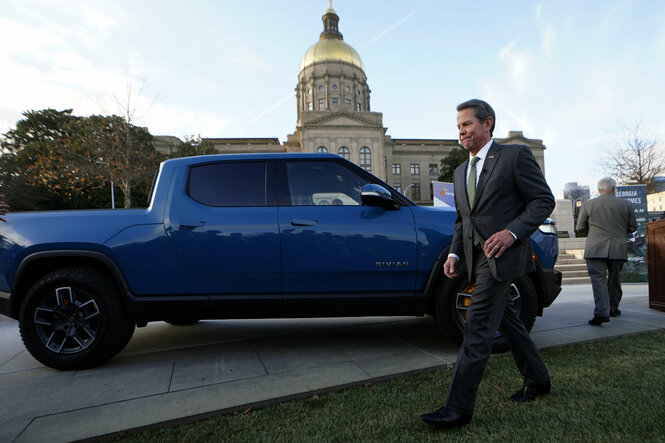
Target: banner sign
column 637, row 195
column 444, row 194
column 635, row 269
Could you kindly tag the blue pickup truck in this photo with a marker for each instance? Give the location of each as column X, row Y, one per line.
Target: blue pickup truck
column 240, row 236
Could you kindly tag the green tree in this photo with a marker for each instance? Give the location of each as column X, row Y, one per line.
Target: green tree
column 455, row 157
column 194, row 146
column 37, row 141
column 46, row 125
column 54, row 160
column 114, row 151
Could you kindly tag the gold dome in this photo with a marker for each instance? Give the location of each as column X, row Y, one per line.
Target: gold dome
column 331, row 50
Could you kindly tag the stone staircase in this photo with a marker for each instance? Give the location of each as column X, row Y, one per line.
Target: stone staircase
column 573, row 269
column 571, row 261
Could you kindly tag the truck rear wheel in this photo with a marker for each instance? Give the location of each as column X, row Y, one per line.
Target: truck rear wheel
column 73, row 319
column 454, row 297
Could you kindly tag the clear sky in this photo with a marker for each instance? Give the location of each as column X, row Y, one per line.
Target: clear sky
column 575, row 74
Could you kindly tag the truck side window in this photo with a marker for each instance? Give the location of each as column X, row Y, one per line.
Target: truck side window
column 321, row 183
column 229, row 184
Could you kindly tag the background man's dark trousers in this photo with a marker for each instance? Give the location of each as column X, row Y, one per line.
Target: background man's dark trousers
column 606, row 283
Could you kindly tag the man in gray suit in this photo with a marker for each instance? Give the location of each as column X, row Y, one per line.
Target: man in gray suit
column 501, row 197
column 608, row 219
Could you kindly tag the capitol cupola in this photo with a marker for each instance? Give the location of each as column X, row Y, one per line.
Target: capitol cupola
column 332, row 76
column 330, row 24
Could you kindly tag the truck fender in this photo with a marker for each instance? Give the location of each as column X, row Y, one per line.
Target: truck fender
column 426, row 299
column 38, row 264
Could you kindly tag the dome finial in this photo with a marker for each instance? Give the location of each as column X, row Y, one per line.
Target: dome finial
column 330, row 8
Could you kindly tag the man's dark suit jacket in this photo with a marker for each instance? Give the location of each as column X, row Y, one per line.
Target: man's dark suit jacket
column 511, row 194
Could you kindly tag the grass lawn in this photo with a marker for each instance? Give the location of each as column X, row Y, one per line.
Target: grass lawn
column 610, row 391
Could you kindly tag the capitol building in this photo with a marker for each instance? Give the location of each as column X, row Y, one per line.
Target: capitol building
column 334, row 115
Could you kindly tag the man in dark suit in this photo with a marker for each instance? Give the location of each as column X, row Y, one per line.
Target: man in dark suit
column 607, row 219
column 501, row 198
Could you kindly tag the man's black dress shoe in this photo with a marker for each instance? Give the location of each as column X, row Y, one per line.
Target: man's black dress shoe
column 530, row 393
column 445, row 418
column 597, row 321
column 615, row 313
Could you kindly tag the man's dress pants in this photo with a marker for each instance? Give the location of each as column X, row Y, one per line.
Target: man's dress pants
column 490, row 310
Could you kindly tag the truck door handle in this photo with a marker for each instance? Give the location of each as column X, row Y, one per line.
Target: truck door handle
column 191, row 224
column 301, row 222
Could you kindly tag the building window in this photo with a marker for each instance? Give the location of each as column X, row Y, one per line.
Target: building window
column 322, row 149
column 334, row 86
column 357, row 106
column 348, row 102
column 344, row 152
column 309, row 91
column 358, row 91
column 397, row 168
column 322, row 105
column 366, row 158
column 320, row 87
column 310, row 106
column 398, row 187
column 415, row 191
column 415, row 169
column 433, row 169
column 334, row 100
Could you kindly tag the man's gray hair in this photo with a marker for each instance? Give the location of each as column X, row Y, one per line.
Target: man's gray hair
column 606, row 184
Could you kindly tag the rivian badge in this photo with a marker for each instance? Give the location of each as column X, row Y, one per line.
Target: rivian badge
column 392, row 264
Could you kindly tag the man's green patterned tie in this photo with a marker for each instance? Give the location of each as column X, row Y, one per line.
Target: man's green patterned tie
column 471, row 192
column 471, row 184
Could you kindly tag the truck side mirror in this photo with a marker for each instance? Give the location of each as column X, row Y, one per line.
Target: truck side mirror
column 376, row 195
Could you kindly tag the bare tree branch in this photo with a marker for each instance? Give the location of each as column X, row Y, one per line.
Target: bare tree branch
column 637, row 158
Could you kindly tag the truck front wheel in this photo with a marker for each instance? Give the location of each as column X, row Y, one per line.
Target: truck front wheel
column 73, row 319
column 454, row 297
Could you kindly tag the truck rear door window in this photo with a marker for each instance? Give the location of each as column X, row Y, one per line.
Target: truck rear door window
column 229, row 184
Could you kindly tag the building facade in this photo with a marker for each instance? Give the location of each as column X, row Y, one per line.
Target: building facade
column 334, row 115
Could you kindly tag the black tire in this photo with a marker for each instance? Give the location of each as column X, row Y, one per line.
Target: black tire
column 74, row 319
column 451, row 310
column 182, row 321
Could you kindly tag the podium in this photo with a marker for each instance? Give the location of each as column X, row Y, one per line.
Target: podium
column 656, row 260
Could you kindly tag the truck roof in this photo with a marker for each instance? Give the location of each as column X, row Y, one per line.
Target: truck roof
column 231, row 157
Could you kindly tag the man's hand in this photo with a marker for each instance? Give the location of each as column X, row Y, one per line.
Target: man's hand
column 498, row 243
column 449, row 267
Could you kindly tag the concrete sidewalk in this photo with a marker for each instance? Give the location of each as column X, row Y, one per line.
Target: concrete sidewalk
column 170, row 373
